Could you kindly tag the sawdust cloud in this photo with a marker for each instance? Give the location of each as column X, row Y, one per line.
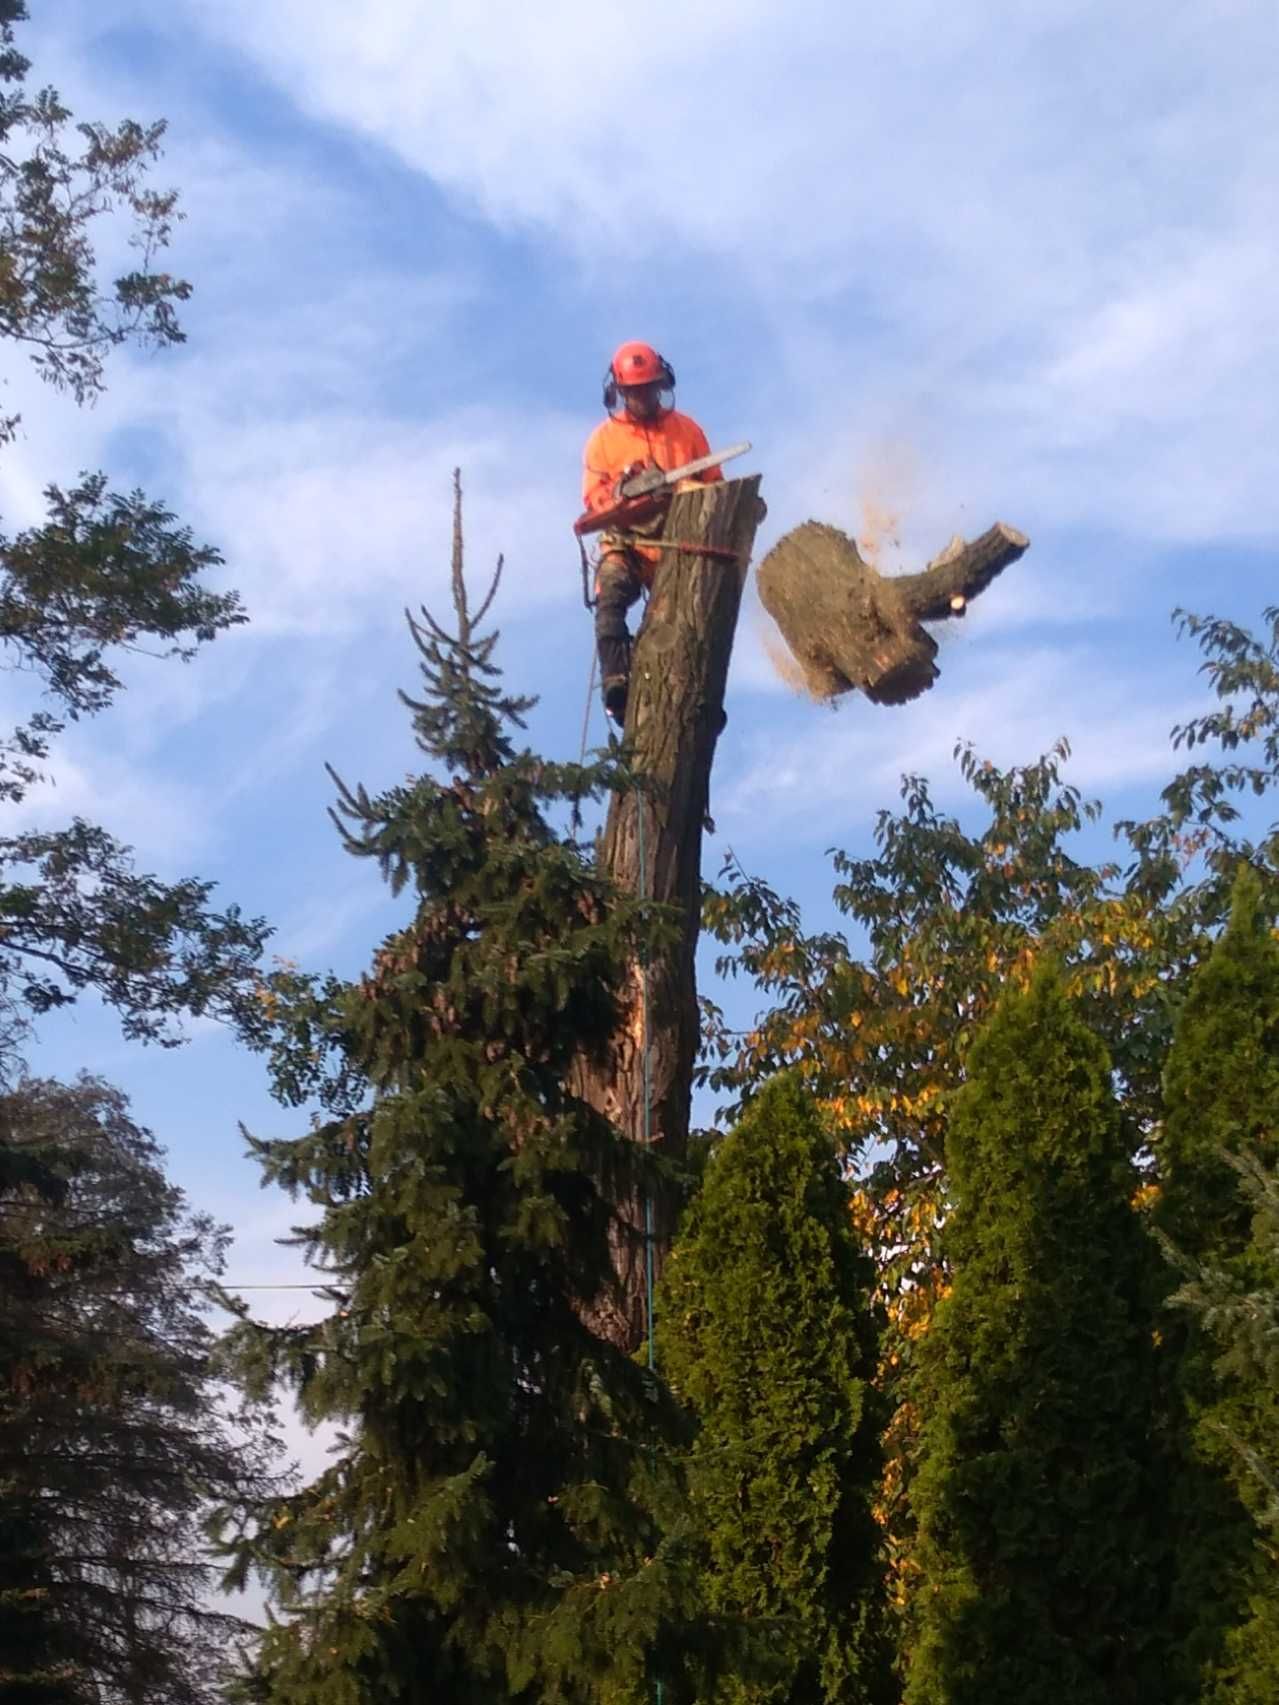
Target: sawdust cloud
column 885, row 484
column 786, row 666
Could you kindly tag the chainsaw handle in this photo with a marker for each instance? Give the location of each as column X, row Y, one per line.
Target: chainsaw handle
column 633, row 512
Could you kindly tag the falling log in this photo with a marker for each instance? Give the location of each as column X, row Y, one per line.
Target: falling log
column 652, row 845
column 849, row 626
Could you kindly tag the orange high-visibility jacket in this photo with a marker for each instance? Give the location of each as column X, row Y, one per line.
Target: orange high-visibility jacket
column 618, row 442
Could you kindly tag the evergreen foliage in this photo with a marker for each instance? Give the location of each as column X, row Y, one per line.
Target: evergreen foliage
column 1221, row 1085
column 1238, row 1305
column 1240, row 1310
column 1222, row 1099
column 765, row 1331
column 114, row 1430
column 1042, row 1565
column 491, row 1525
column 950, row 915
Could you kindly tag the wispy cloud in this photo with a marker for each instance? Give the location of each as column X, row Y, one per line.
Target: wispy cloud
column 1011, row 706
column 164, row 816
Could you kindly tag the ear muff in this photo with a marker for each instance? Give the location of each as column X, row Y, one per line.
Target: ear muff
column 668, row 375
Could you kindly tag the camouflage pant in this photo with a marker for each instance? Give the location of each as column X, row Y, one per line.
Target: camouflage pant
column 618, row 584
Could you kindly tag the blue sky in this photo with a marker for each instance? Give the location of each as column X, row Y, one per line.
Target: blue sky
column 942, row 264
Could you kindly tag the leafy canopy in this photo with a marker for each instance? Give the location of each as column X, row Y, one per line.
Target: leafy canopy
column 102, row 577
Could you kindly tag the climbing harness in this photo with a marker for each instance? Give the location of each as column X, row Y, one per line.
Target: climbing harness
column 635, row 541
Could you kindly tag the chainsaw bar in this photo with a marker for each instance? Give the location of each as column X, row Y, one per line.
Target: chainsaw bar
column 653, row 479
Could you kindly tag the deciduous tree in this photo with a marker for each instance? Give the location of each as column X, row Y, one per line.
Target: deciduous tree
column 105, row 574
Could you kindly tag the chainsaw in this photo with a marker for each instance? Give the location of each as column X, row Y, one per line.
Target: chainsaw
column 643, row 496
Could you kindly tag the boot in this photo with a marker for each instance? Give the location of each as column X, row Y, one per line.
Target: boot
column 615, row 693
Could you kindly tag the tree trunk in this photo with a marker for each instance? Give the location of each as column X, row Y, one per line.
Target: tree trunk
column 652, row 845
column 849, row 626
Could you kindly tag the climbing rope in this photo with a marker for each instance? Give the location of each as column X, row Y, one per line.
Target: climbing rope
column 586, row 713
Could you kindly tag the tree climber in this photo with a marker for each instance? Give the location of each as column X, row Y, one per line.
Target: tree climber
column 643, row 430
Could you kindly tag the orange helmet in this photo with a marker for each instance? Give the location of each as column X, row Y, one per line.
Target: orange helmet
column 636, row 364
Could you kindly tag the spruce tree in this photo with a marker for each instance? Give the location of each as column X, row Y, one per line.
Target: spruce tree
column 1037, row 1498
column 765, row 1331
column 490, row 1525
column 1222, row 1113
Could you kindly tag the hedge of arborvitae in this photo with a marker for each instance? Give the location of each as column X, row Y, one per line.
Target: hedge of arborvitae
column 766, row 1333
column 1222, row 1103
column 1038, row 1497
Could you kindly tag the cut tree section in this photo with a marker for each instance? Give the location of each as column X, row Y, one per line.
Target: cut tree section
column 850, row 626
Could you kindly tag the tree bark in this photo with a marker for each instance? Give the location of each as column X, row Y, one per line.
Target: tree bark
column 652, row 845
column 849, row 626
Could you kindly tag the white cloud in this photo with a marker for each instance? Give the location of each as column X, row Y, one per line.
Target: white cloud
column 1008, row 263
column 992, row 273
column 319, row 926
column 164, row 817
column 1011, row 707
column 982, row 136
column 345, row 517
column 277, row 438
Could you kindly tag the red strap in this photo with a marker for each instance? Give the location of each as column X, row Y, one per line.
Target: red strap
column 694, row 549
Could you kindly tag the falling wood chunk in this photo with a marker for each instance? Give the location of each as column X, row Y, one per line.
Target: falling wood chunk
column 850, row 626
